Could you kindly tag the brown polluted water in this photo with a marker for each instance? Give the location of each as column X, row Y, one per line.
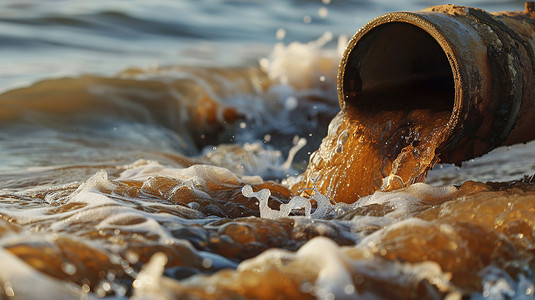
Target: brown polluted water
column 368, row 149
column 151, row 223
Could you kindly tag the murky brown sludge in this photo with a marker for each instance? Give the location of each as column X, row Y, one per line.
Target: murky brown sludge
column 165, row 218
column 440, row 241
column 354, row 158
column 458, row 234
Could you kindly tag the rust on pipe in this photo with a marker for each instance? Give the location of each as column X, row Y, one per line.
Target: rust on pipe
column 529, row 7
column 448, row 83
column 479, row 65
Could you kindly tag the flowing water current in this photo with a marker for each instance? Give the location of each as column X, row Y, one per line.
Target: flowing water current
column 167, row 150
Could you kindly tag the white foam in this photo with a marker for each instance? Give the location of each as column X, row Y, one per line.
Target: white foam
column 301, row 65
column 333, row 270
column 333, row 276
column 90, row 191
column 323, row 204
column 402, row 204
column 253, row 160
column 284, row 210
column 196, row 175
column 322, row 257
column 123, row 216
column 411, row 274
column 96, row 209
column 498, row 285
column 296, row 202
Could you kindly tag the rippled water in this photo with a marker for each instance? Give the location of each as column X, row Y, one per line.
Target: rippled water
column 148, row 150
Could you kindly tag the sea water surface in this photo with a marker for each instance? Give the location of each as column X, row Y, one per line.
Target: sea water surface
column 147, row 150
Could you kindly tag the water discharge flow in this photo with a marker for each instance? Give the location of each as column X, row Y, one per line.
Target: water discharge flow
column 194, row 179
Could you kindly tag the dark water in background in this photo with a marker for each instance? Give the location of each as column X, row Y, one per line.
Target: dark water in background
column 182, row 103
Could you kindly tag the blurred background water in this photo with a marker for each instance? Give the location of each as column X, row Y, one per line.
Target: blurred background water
column 44, row 39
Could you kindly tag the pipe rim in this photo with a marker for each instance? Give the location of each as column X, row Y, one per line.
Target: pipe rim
column 445, row 44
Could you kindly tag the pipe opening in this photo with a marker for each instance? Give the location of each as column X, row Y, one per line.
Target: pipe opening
column 398, row 67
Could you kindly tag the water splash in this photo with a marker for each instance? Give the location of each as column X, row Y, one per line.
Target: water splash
column 301, row 65
column 295, row 203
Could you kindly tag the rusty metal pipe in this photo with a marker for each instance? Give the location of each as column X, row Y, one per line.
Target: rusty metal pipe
column 478, row 65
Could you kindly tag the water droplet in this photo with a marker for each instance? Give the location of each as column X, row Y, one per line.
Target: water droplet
column 136, row 284
column 68, row 268
column 323, row 12
column 8, row 289
column 342, row 139
column 349, row 289
column 207, row 263
column 106, row 286
column 281, row 33
column 264, row 64
column 291, row 103
column 110, row 276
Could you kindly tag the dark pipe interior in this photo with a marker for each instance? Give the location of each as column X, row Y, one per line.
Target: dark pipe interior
column 398, row 66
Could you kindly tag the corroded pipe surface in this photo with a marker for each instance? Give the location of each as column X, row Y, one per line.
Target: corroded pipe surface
column 448, row 83
column 477, row 65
